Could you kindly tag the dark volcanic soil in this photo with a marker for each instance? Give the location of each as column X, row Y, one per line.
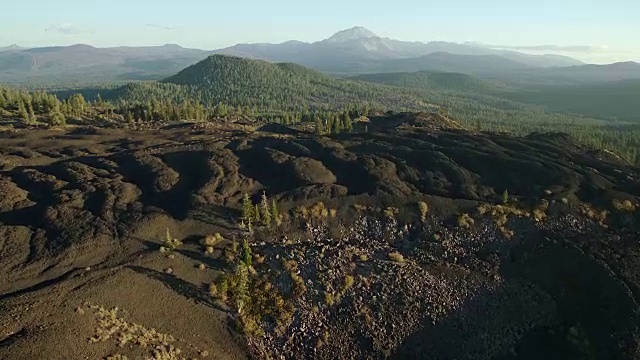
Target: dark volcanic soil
column 83, row 212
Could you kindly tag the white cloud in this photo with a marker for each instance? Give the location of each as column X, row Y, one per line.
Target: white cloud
column 64, row 28
column 160, row 26
column 554, row 48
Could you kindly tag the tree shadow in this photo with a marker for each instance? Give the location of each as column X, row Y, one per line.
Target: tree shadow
column 180, row 286
column 215, row 264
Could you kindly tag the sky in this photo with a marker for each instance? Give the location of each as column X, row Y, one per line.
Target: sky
column 590, row 30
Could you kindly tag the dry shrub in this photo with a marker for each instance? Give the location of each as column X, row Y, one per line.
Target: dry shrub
column 624, row 205
column 465, row 221
column 396, row 257
column 424, row 209
column 212, row 240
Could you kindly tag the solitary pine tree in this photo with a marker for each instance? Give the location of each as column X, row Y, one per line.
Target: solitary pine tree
column 505, row 197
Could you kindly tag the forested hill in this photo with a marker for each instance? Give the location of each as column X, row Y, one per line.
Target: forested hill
column 429, row 80
column 263, row 85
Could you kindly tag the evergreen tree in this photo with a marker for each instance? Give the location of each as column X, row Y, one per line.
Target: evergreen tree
column 365, row 110
column 318, row 125
column 246, row 255
column 57, row 118
column 247, row 208
column 32, row 115
column 274, row 212
column 266, row 212
column 256, row 213
column 329, row 125
column 337, row 124
column 76, row 104
column 129, row 117
column 22, row 111
column 346, row 121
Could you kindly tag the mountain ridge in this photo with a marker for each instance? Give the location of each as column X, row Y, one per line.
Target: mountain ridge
column 346, row 53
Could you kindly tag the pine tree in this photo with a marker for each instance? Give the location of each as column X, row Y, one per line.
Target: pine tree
column 246, row 254
column 22, row 111
column 247, row 208
column 329, row 125
column 32, row 115
column 337, row 125
column 57, row 118
column 505, row 197
column 266, row 212
column 318, row 125
column 346, row 121
column 129, row 117
column 76, row 102
column 274, row 212
column 256, row 213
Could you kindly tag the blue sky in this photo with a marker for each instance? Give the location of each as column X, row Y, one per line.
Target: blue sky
column 596, row 31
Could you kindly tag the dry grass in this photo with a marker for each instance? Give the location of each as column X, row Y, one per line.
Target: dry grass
column 112, row 327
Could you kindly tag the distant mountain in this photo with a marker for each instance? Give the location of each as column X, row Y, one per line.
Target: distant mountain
column 11, row 47
column 573, row 75
column 447, row 62
column 264, row 85
column 348, row 50
column 84, row 63
column 436, row 81
column 356, row 33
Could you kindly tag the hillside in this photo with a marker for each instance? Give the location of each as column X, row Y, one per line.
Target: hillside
column 82, row 64
column 416, row 239
column 613, row 100
column 264, row 85
column 428, row 80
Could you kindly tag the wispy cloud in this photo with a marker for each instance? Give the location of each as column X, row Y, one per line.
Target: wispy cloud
column 160, row 26
column 64, row 28
column 555, row 48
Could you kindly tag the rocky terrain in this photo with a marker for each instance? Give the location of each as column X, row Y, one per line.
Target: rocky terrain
column 409, row 238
